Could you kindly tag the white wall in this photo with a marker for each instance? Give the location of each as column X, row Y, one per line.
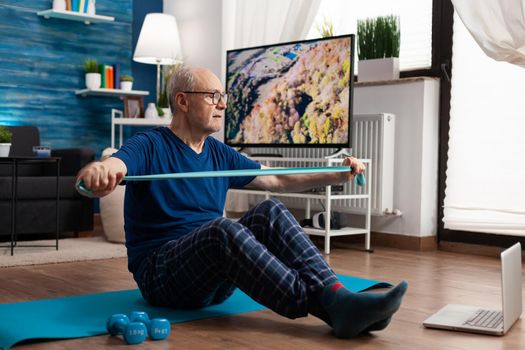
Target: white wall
column 200, row 29
column 415, row 105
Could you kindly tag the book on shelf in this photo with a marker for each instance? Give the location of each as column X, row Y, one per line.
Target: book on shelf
column 116, row 75
column 77, row 5
column 102, row 70
column 109, row 76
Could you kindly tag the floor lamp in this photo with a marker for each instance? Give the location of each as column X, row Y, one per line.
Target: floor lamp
column 158, row 43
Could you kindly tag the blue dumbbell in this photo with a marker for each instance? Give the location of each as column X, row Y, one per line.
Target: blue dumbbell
column 158, row 328
column 134, row 332
column 139, row 316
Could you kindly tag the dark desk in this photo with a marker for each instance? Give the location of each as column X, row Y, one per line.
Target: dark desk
column 15, row 162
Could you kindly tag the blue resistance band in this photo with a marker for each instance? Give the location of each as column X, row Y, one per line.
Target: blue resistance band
column 359, row 179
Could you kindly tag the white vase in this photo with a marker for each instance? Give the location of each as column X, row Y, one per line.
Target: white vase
column 151, row 111
column 93, row 80
column 126, row 85
column 59, row 5
column 378, row 69
column 4, row 149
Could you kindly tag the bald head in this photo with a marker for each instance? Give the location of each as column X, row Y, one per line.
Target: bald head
column 190, row 79
column 205, row 79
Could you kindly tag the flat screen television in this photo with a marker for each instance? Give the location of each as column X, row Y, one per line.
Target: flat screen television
column 295, row 94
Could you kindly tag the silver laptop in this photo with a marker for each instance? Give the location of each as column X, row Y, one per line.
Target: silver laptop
column 478, row 320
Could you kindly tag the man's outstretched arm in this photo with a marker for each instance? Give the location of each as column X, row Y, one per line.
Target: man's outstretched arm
column 301, row 182
column 101, row 178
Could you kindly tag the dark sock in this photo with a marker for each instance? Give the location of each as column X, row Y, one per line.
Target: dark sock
column 378, row 326
column 353, row 313
column 315, row 308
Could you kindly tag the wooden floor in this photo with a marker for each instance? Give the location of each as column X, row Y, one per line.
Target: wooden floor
column 435, row 278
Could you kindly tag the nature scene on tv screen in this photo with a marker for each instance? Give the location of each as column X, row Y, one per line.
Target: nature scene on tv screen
column 294, row 94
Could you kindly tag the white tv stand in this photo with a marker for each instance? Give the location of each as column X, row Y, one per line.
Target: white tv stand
column 327, row 197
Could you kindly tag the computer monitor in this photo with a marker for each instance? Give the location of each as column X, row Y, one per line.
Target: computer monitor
column 295, row 94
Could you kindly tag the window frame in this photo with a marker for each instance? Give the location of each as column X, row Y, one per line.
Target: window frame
column 442, row 30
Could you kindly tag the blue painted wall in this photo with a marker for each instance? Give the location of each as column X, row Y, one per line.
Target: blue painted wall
column 41, row 66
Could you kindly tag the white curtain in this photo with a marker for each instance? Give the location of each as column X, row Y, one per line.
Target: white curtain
column 498, row 26
column 485, row 186
column 254, row 22
column 249, row 23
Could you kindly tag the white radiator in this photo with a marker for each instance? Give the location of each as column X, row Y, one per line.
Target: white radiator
column 373, row 137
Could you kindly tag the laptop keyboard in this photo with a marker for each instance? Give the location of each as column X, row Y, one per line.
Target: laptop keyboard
column 486, row 319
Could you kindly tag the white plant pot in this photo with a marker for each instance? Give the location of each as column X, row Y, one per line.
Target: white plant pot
column 93, row 80
column 4, row 149
column 378, row 69
column 59, row 5
column 126, row 85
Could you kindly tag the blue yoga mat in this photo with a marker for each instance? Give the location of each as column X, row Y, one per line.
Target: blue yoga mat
column 86, row 315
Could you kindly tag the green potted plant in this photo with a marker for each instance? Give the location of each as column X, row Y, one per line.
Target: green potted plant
column 5, row 141
column 163, row 104
column 93, row 77
column 378, row 43
column 126, row 82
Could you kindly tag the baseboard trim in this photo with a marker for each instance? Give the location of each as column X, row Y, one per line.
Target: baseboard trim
column 385, row 240
column 469, row 248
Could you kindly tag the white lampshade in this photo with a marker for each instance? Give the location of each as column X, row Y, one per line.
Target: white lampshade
column 159, row 41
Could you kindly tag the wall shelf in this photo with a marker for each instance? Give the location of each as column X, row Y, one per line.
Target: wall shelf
column 110, row 92
column 118, row 120
column 142, row 121
column 75, row 16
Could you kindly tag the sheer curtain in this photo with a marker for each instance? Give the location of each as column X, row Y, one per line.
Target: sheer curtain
column 485, row 187
column 252, row 23
column 498, row 26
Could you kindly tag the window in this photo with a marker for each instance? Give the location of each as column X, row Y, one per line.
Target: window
column 485, row 170
column 416, row 25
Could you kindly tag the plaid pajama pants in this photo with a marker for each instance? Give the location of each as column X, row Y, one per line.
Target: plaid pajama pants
column 266, row 254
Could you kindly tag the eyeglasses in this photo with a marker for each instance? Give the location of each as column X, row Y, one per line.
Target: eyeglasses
column 216, row 96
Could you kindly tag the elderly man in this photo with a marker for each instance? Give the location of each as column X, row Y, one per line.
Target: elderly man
column 184, row 254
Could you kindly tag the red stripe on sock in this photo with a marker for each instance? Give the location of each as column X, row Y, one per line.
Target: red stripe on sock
column 336, row 286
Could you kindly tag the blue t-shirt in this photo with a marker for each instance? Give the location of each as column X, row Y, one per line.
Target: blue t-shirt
column 156, row 212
